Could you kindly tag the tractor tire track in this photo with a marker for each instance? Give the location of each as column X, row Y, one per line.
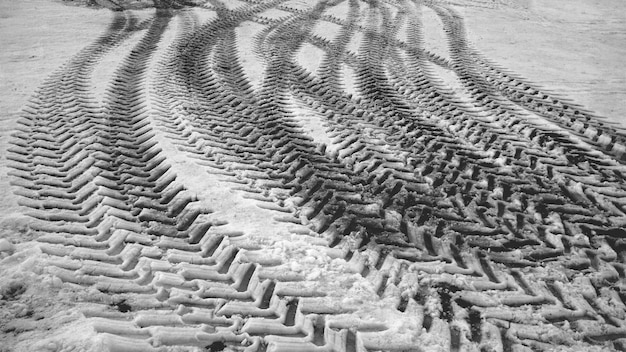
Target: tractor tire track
column 571, row 118
column 229, row 86
column 446, row 219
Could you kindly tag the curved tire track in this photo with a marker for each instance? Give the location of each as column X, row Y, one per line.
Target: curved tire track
column 434, row 218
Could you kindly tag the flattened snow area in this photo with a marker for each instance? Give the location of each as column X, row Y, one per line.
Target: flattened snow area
column 275, row 14
column 327, row 30
column 450, row 80
column 435, row 39
column 403, row 31
column 392, row 10
column 234, row 4
column 340, row 11
column 310, row 57
column 204, row 15
column 311, row 121
column 348, row 77
column 354, row 46
column 253, row 66
column 105, row 69
column 364, row 14
column 300, row 4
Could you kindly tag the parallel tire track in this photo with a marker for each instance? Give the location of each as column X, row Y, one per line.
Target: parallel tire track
column 490, row 217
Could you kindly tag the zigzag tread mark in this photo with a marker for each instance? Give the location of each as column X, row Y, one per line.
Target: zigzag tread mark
column 429, row 211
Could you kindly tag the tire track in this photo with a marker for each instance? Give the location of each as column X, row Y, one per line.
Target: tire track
column 435, row 218
column 568, row 116
column 286, row 138
column 228, row 86
column 60, row 116
column 132, row 210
